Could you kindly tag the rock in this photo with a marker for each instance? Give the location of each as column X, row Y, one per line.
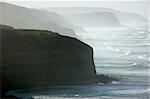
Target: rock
column 38, row 58
column 26, row 18
column 95, row 19
column 5, row 27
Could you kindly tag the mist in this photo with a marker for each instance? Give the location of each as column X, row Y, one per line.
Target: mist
column 51, row 43
column 137, row 6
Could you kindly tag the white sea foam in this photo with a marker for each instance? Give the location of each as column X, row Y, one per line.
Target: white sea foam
column 130, row 91
column 127, row 53
column 115, row 48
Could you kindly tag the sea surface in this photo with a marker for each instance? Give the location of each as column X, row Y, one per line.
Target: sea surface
column 122, row 52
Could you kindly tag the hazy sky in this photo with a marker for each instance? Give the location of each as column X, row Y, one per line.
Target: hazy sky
column 134, row 6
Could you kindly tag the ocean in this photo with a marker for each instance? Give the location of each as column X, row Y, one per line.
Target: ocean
column 121, row 52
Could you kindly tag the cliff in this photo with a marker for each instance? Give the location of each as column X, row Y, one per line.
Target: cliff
column 26, row 18
column 95, row 19
column 124, row 18
column 37, row 58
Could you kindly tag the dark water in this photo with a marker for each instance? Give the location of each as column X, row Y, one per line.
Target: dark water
column 125, row 90
column 118, row 52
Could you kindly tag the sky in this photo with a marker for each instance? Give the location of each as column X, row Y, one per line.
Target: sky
column 133, row 6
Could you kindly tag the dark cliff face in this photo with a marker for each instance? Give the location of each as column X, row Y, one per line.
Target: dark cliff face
column 36, row 58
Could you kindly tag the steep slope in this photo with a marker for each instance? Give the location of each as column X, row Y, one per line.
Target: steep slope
column 95, row 19
column 38, row 58
column 125, row 18
column 25, row 18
